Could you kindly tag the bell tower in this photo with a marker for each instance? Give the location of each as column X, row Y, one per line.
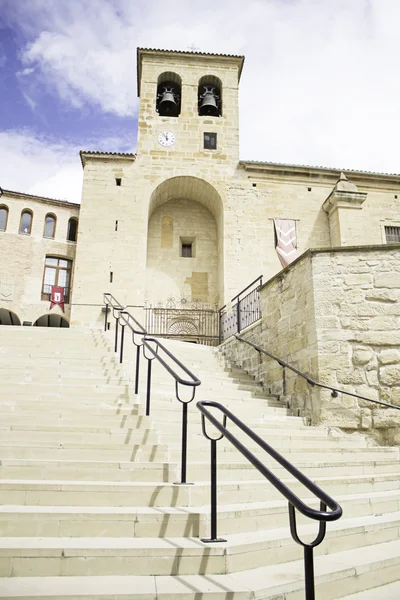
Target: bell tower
column 188, row 106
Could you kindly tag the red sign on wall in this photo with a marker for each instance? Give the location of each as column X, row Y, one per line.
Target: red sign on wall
column 57, row 297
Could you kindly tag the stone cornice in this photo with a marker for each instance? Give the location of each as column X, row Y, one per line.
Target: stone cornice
column 44, row 199
column 347, row 200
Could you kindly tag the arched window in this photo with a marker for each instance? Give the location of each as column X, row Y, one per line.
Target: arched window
column 3, row 217
column 209, row 96
column 72, row 229
column 49, row 226
column 169, row 92
column 25, row 225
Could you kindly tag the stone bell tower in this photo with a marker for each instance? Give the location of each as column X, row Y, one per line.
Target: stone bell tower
column 188, row 106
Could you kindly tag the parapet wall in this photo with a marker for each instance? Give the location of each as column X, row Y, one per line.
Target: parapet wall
column 334, row 314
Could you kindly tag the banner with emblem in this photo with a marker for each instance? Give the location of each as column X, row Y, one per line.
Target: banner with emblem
column 286, row 243
column 57, row 297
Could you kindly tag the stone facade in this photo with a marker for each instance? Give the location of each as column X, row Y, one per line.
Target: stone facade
column 334, row 315
column 23, row 255
column 127, row 245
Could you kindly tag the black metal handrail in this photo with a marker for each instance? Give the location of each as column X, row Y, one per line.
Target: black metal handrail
column 154, row 348
column 240, row 317
column 334, row 391
column 322, row 515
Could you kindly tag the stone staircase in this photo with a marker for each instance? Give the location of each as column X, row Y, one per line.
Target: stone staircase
column 89, row 509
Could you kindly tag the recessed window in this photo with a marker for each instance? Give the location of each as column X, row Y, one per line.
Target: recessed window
column 25, row 225
column 3, row 217
column 392, row 234
column 118, row 181
column 187, row 250
column 57, row 271
column 309, row 189
column 111, row 276
column 72, row 233
column 210, row 141
column 49, row 226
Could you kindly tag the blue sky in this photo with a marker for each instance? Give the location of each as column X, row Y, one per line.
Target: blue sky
column 321, row 76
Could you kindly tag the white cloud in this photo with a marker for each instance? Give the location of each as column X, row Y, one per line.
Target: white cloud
column 319, row 84
column 38, row 166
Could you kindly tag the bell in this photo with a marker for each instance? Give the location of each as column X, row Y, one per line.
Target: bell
column 168, row 106
column 209, row 104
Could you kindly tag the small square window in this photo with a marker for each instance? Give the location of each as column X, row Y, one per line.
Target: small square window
column 392, row 235
column 210, row 141
column 186, row 250
column 118, row 181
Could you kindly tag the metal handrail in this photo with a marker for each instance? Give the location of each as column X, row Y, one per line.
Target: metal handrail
column 294, row 501
column 334, row 391
column 194, row 380
column 137, row 329
column 259, row 278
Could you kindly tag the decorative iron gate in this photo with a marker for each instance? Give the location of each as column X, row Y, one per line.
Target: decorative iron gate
column 188, row 321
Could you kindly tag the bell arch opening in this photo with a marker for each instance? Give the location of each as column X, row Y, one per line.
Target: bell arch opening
column 169, row 93
column 185, row 244
column 8, row 317
column 51, row 321
column 209, row 96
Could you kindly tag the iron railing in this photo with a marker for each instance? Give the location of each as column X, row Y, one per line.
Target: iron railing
column 153, row 349
column 245, row 311
column 197, row 324
column 294, row 501
column 334, row 391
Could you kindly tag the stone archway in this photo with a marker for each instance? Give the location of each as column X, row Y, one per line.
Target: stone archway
column 185, row 243
column 8, row 317
column 51, row 321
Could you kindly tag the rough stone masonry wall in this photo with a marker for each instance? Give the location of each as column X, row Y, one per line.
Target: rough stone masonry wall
column 286, row 330
column 357, row 307
column 335, row 315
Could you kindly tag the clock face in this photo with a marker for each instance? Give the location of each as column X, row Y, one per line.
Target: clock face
column 166, row 138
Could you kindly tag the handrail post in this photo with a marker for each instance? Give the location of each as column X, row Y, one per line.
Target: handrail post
column 309, row 572
column 214, row 537
column 106, row 317
column 116, row 334
column 238, row 324
column 148, row 391
column 184, row 443
column 137, row 369
column 121, row 353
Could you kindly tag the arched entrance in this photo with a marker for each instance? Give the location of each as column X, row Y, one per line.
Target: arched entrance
column 51, row 321
column 7, row 317
column 185, row 244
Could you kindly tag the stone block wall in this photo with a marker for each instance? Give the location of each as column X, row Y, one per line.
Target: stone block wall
column 335, row 315
column 23, row 255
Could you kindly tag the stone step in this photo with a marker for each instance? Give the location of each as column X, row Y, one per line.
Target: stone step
column 78, row 521
column 336, row 575
column 390, row 591
column 108, row 470
column 284, row 423
column 46, row 556
column 128, row 436
column 109, row 493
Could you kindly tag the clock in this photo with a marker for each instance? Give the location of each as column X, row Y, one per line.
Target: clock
column 166, row 138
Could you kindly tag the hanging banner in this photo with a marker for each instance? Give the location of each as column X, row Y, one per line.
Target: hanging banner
column 57, row 297
column 286, row 246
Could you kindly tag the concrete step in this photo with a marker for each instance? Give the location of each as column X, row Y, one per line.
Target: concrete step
column 109, row 470
column 109, row 493
column 334, row 575
column 46, row 556
column 81, row 521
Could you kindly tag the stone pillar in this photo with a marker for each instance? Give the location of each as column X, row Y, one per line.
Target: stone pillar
column 343, row 205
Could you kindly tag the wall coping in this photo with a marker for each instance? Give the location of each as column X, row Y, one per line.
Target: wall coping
column 340, row 249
